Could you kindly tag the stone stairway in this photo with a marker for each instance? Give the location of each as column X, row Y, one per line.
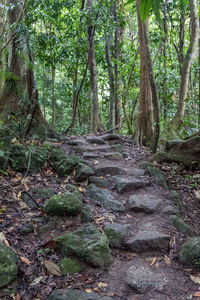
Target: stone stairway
column 134, row 214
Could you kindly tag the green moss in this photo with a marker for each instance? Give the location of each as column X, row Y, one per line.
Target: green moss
column 176, row 198
column 8, row 265
column 69, row 266
column 145, row 164
column 72, row 188
column 66, row 204
column 83, row 172
column 181, row 225
column 190, row 253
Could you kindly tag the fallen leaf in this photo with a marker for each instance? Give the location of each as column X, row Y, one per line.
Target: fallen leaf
column 96, row 290
column 23, row 204
column 2, row 210
column 89, row 291
column 167, row 260
column 19, row 195
column 102, row 284
column 101, row 177
column 153, row 261
column 129, row 216
column 36, row 280
column 195, row 279
column 25, row 260
column 81, row 189
column 96, row 162
column 52, row 268
column 197, row 294
column 172, row 243
column 3, row 239
column 131, row 255
column 197, row 194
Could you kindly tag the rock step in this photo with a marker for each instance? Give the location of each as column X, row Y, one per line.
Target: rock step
column 147, row 241
column 96, row 140
column 109, row 155
column 146, row 203
column 109, row 169
column 111, row 137
column 103, row 148
column 126, row 184
column 76, row 142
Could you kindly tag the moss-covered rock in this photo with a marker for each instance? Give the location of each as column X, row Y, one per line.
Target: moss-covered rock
column 65, row 204
column 4, row 155
column 72, row 188
column 181, row 225
column 26, row 229
column 63, row 164
column 43, row 193
column 69, row 266
column 145, row 164
column 189, row 254
column 117, row 147
column 83, row 171
column 8, row 265
column 174, row 195
column 23, row 158
column 115, row 234
column 87, row 244
column 99, row 181
column 152, row 171
column 86, row 216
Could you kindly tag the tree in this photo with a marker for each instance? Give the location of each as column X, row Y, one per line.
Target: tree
column 19, row 97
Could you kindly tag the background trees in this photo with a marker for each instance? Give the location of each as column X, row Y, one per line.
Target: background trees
column 75, row 46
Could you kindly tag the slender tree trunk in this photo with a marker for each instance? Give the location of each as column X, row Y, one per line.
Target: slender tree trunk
column 95, row 124
column 144, row 127
column 116, row 56
column 165, row 60
column 53, row 99
column 111, row 83
column 187, row 64
column 199, row 78
column 2, row 54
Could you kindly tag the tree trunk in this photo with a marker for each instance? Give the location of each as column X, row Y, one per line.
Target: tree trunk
column 2, row 54
column 187, row 64
column 53, row 99
column 19, row 97
column 199, row 80
column 165, row 60
column 111, row 83
column 95, row 124
column 144, row 127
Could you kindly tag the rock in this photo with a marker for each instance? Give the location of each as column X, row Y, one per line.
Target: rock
column 145, row 164
column 159, row 178
column 111, row 137
column 95, row 140
column 137, row 172
column 65, row 204
column 190, row 253
column 181, row 225
column 115, row 234
column 86, row 216
column 70, row 294
column 26, row 229
column 126, row 184
column 8, row 265
column 144, row 202
column 72, row 188
column 76, row 142
column 142, row 279
column 24, row 158
column 113, row 155
column 148, row 240
column 104, row 197
column 63, row 164
column 4, row 155
column 29, row 200
column 88, row 155
column 100, row 182
column 171, row 210
column 83, row 171
column 109, row 169
column 69, row 266
column 103, row 148
column 117, row 148
column 174, row 195
column 43, row 193
column 87, row 244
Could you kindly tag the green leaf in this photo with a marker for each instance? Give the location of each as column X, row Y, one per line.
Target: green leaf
column 129, row 2
column 145, row 6
column 156, row 10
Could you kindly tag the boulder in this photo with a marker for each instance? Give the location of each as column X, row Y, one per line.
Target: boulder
column 8, row 265
column 171, row 210
column 104, row 197
column 87, row 244
column 142, row 279
column 144, row 202
column 109, row 169
column 69, row 266
column 23, row 158
column 189, row 254
column 115, row 234
column 126, row 184
column 65, row 204
column 83, row 171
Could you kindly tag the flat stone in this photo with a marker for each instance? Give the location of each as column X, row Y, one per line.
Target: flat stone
column 109, row 169
column 113, row 155
column 148, row 240
column 142, row 279
column 88, row 155
column 100, row 182
column 109, row 137
column 70, row 294
column 144, row 202
column 95, row 140
column 171, row 210
column 137, row 172
column 76, row 142
column 104, row 197
column 126, row 184
column 103, row 148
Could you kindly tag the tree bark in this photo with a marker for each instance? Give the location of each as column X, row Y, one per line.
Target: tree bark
column 19, row 97
column 53, row 99
column 95, row 124
column 165, row 60
column 116, row 72
column 187, row 64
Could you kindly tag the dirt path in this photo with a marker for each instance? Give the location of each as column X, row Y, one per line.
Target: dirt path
column 127, row 204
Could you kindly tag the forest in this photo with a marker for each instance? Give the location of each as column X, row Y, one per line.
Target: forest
column 99, row 149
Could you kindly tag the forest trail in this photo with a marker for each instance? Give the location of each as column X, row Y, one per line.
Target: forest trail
column 133, row 208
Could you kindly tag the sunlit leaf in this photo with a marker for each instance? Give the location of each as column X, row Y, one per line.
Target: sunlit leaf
column 145, row 6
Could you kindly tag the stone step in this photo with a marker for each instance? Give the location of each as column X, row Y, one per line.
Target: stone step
column 104, row 197
column 110, row 137
column 144, row 203
column 109, row 169
column 103, row 148
column 126, row 184
column 96, row 140
column 76, row 142
column 147, row 241
column 109, row 155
